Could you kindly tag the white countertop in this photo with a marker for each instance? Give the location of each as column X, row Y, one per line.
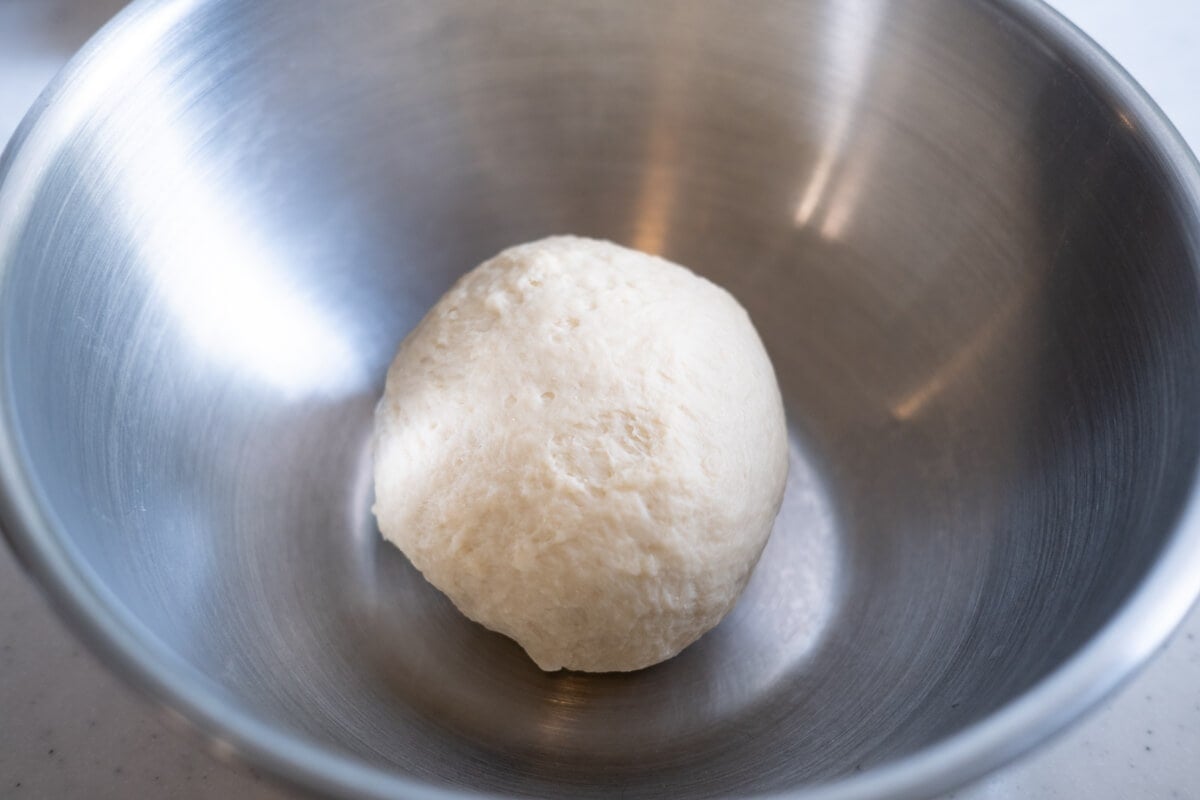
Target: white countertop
column 70, row 730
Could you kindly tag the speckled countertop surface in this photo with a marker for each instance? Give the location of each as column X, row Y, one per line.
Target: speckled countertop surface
column 70, row 730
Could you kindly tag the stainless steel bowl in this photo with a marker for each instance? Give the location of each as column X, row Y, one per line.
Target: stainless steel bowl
column 967, row 238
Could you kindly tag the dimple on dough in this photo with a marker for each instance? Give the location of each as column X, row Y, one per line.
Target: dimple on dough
column 584, row 447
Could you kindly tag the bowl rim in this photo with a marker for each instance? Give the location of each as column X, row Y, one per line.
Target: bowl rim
column 1123, row 645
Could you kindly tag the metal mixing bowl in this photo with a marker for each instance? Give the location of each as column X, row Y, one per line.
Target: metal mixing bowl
column 970, row 244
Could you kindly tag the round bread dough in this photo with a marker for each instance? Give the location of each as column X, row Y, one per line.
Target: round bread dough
column 584, row 447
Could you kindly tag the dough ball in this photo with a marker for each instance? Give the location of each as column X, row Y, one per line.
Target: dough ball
column 584, row 447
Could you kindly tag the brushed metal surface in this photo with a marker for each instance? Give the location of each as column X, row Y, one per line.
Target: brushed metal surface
column 968, row 241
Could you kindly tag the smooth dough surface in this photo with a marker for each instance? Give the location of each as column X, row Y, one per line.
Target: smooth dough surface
column 584, row 447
